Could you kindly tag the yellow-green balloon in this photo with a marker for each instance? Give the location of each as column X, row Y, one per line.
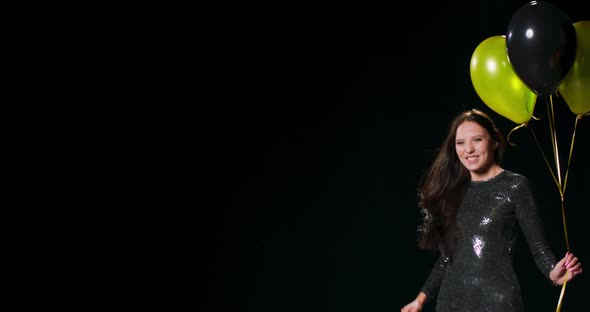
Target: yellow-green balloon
column 575, row 87
column 497, row 84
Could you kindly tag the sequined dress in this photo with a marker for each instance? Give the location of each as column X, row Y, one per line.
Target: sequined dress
column 480, row 276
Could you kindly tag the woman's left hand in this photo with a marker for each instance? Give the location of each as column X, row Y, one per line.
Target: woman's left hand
column 570, row 264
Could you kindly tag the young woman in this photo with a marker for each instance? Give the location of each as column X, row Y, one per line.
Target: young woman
column 472, row 208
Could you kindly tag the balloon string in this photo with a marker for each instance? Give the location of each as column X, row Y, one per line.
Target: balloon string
column 562, row 293
column 557, row 164
column 559, row 303
column 554, row 143
column 567, row 241
column 544, row 157
column 561, row 186
column 565, row 181
column 569, row 159
column 513, row 129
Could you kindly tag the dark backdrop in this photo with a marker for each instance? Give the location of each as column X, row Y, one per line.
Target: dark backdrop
column 246, row 156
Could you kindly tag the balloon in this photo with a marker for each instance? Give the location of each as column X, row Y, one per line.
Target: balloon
column 575, row 88
column 541, row 44
column 497, row 84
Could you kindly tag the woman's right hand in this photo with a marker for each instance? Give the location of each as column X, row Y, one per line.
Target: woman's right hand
column 414, row 306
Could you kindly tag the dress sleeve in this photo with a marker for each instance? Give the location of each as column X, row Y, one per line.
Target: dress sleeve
column 528, row 215
column 432, row 284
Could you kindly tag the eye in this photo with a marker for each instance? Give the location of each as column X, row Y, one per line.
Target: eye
column 459, row 143
column 478, row 139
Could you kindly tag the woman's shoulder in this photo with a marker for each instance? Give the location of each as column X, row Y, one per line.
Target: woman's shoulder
column 513, row 174
column 515, row 177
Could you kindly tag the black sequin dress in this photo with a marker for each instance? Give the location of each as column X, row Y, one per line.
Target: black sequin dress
column 480, row 276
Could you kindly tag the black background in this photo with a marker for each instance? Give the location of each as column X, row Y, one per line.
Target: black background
column 246, row 156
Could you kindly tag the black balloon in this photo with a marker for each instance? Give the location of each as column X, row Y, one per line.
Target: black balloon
column 541, row 45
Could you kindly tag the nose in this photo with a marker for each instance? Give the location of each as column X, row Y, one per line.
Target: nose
column 469, row 148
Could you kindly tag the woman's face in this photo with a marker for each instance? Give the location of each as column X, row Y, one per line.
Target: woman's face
column 475, row 149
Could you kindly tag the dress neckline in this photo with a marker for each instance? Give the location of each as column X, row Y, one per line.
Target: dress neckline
column 490, row 178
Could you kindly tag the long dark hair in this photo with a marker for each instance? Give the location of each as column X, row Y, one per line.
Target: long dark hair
column 443, row 185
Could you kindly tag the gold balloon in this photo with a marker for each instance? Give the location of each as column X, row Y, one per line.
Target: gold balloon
column 497, row 84
column 575, row 87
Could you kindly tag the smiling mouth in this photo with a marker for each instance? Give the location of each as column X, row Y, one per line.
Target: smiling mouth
column 471, row 158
